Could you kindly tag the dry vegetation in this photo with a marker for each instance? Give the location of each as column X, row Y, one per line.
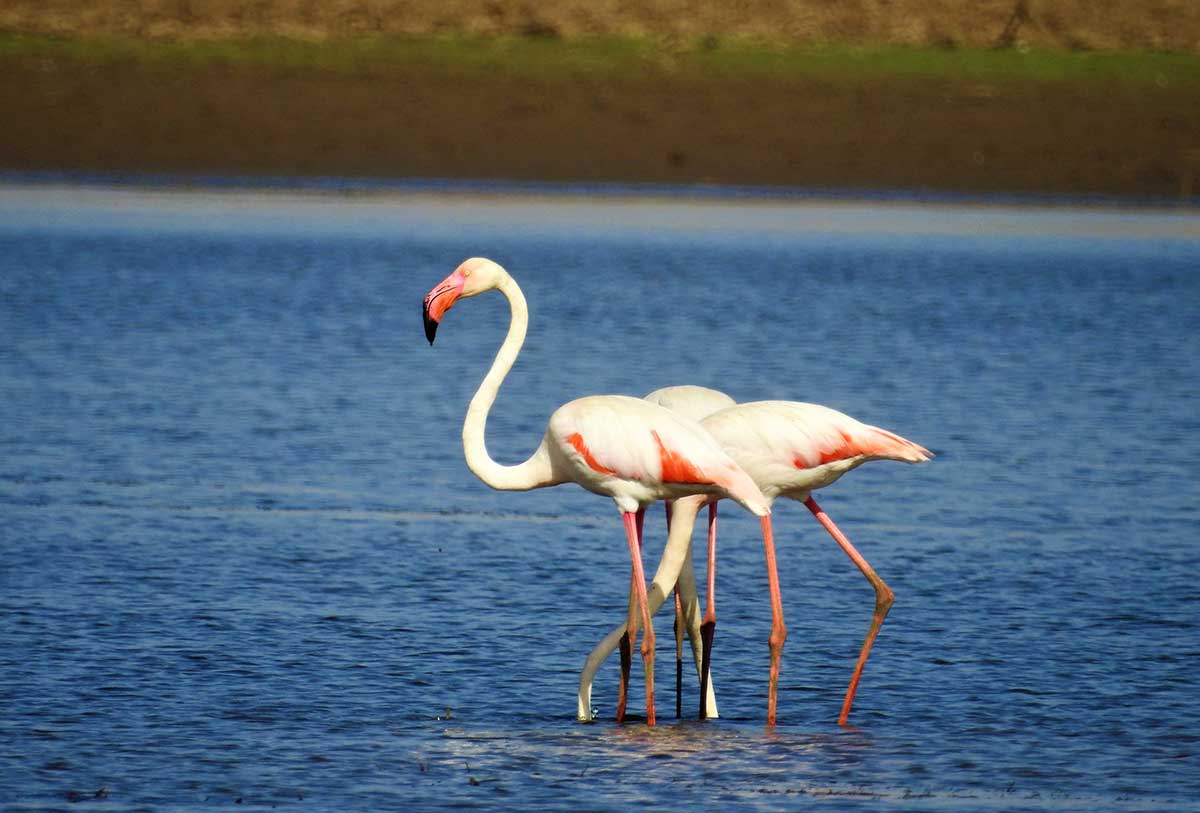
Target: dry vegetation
column 1172, row 25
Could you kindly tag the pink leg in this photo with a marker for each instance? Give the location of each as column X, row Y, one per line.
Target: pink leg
column 625, row 645
column 635, row 553
column 883, row 601
column 710, row 610
column 778, row 630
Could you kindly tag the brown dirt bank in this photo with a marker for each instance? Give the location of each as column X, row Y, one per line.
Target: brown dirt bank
column 415, row 120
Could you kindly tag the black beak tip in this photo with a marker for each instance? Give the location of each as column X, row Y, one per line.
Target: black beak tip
column 431, row 327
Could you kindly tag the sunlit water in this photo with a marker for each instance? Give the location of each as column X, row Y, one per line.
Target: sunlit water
column 241, row 559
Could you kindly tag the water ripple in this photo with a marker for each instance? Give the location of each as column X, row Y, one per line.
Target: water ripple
column 242, row 561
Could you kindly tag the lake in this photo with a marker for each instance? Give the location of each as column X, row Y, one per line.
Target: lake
column 243, row 562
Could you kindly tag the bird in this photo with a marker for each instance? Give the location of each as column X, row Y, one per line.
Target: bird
column 625, row 448
column 696, row 403
column 790, row 449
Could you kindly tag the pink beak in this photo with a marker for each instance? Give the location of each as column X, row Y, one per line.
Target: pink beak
column 440, row 300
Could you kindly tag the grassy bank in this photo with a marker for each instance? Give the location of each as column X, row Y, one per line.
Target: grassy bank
column 627, row 109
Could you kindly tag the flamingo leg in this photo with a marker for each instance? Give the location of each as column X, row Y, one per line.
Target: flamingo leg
column 679, row 629
column 626, row 665
column 710, row 612
column 675, row 566
column 632, row 530
column 690, row 601
column 678, row 655
column 778, row 630
column 883, row 601
column 630, row 636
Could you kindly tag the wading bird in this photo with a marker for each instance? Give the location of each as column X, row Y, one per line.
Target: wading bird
column 628, row 449
column 790, row 449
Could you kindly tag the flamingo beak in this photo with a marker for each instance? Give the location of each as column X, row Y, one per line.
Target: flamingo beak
column 440, row 300
column 430, row 326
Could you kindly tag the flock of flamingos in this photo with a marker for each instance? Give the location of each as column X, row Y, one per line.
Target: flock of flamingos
column 689, row 446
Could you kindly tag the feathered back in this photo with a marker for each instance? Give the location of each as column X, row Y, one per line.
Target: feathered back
column 653, row 449
column 690, row 400
column 771, row 440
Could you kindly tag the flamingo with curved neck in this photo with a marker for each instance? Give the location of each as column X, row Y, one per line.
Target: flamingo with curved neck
column 627, row 449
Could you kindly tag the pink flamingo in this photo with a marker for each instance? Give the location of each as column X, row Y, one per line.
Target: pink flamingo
column 625, row 448
column 790, row 449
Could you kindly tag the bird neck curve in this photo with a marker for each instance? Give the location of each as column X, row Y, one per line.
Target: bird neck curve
column 534, row 472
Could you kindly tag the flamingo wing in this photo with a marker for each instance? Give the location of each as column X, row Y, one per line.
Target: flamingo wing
column 604, row 440
column 633, row 440
column 777, row 441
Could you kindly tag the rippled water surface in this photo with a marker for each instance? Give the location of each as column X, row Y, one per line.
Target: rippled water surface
column 242, row 560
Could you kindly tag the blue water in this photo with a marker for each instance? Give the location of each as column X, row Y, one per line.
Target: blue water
column 242, row 560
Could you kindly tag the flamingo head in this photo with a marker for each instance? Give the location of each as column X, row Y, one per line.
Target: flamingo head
column 473, row 277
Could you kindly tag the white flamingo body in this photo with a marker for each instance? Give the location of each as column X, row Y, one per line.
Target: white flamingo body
column 628, row 449
column 624, row 448
column 790, row 449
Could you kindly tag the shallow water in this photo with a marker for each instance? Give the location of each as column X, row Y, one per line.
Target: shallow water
column 242, row 559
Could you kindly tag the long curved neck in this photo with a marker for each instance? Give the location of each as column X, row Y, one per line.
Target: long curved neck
column 534, row 472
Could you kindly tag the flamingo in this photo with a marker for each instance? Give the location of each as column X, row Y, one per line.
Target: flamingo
column 630, row 450
column 790, row 449
column 693, row 402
